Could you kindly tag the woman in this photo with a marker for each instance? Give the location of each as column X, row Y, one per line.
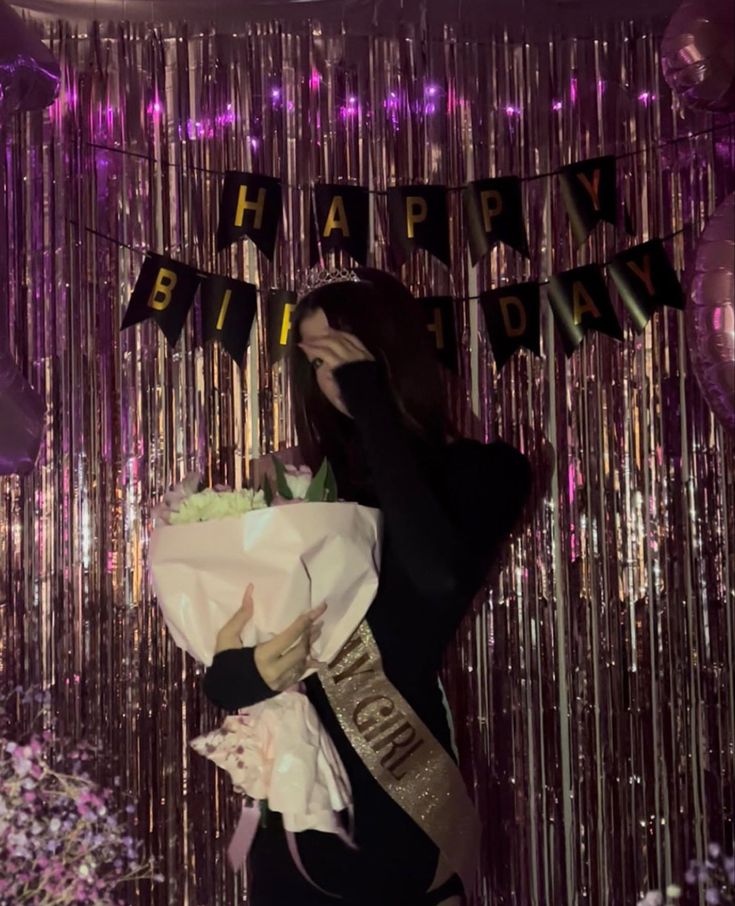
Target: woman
column 367, row 395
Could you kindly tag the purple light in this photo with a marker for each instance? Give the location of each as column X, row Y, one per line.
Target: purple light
column 557, row 105
column 315, row 80
column 571, row 482
column 512, row 111
column 431, row 91
column 429, row 109
column 254, row 144
column 645, row 97
column 573, row 90
column 352, row 100
column 197, row 129
column 276, row 94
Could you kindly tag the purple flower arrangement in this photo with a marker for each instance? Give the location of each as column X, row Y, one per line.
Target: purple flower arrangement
column 61, row 840
column 715, row 877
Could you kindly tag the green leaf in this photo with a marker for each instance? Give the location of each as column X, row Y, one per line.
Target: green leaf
column 267, row 492
column 315, row 494
column 281, row 483
column 323, row 487
column 330, row 486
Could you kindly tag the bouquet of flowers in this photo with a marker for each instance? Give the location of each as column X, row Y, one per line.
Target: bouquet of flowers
column 61, row 842
column 299, row 546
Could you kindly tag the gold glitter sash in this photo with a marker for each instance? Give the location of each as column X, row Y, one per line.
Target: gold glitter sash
column 401, row 754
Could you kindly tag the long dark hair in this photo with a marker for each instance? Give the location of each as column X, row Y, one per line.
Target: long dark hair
column 385, row 316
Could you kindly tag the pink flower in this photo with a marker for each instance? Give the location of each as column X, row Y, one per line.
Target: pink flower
column 282, row 501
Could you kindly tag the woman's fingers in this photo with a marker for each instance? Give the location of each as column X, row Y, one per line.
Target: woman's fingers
column 229, row 635
column 294, row 659
column 284, row 659
column 316, row 631
column 351, row 340
column 314, row 664
column 236, row 623
column 336, row 349
column 326, row 354
column 297, row 660
column 281, row 643
column 284, row 641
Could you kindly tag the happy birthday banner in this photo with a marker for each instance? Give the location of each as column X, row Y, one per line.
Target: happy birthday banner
column 418, row 215
column 251, row 208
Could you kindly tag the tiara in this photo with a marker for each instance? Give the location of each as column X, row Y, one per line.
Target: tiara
column 317, row 277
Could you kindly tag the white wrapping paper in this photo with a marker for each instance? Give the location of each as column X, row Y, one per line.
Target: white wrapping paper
column 296, row 556
column 278, row 751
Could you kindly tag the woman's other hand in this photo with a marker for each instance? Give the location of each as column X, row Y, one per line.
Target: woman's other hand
column 284, row 659
column 229, row 636
column 335, row 348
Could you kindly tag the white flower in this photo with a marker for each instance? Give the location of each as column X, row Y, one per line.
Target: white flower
column 298, row 481
column 673, row 891
column 209, row 505
column 653, row 898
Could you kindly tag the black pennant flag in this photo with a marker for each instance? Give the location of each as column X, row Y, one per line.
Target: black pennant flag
column 281, row 304
column 441, row 324
column 229, row 308
column 164, row 291
column 646, row 280
column 581, row 302
column 590, row 194
column 419, row 220
column 512, row 319
column 340, row 221
column 494, row 213
column 250, row 206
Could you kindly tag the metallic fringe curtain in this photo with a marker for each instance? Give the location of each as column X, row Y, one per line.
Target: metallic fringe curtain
column 593, row 684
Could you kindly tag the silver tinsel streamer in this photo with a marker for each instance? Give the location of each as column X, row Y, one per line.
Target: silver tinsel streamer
column 593, row 685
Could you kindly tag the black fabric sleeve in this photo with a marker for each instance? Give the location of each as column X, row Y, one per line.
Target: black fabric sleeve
column 487, row 488
column 442, row 545
column 233, row 680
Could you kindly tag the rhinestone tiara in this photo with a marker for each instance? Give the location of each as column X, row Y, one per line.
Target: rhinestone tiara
column 317, row 277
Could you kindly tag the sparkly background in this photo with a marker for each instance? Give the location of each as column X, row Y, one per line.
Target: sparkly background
column 593, row 688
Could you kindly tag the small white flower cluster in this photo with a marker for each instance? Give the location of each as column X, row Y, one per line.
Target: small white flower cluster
column 210, row 504
column 214, row 504
column 656, row 898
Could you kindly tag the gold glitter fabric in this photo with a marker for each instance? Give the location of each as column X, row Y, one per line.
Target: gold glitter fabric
column 400, row 752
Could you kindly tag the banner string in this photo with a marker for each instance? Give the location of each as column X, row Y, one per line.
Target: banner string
column 711, row 130
column 665, row 238
column 266, row 292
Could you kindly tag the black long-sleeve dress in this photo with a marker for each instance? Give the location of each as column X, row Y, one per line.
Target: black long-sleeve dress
column 445, row 513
